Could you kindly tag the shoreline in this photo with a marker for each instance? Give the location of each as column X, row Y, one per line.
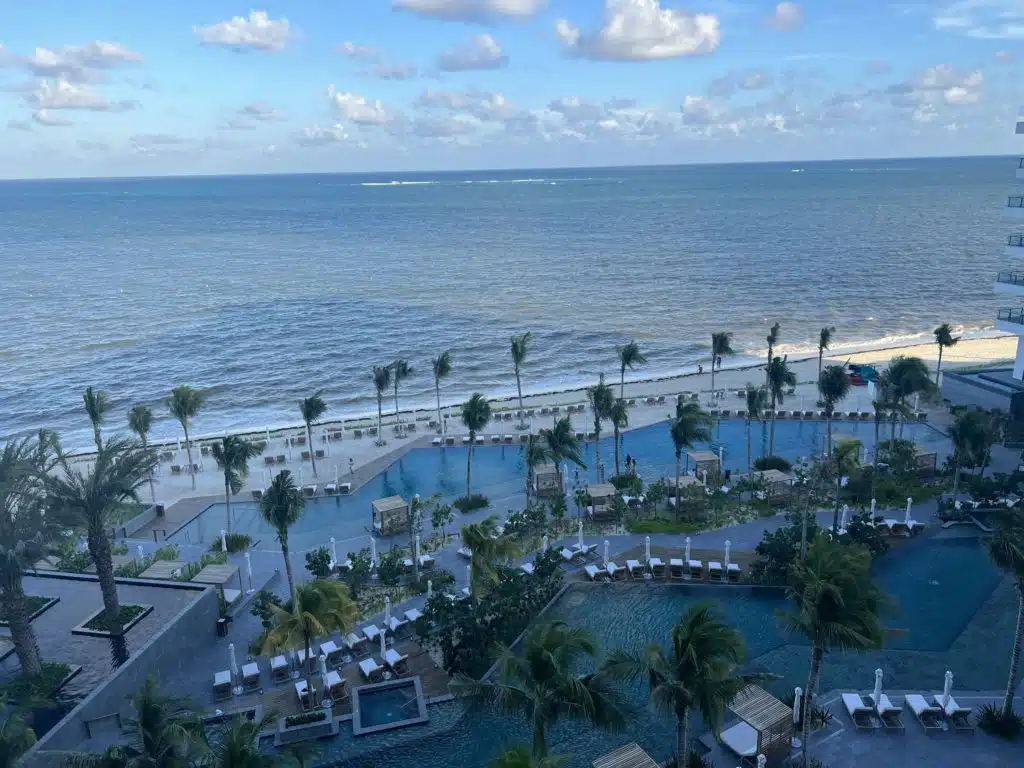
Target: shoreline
column 982, row 348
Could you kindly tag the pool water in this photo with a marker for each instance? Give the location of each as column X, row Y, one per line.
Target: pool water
column 388, row 705
column 963, row 624
column 499, row 472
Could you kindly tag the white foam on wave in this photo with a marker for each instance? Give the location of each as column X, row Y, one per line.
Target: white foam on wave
column 396, row 183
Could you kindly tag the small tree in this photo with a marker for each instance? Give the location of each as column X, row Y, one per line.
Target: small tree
column 400, row 371
column 630, row 357
column 359, row 574
column 184, row 405
column 442, row 365
column 476, row 414
column 318, row 563
column 381, row 382
column 441, row 516
column 520, row 348
column 312, row 409
column 824, row 340
column 721, row 344
column 944, row 338
column 97, row 403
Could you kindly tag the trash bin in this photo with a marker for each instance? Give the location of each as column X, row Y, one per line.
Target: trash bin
column 222, row 627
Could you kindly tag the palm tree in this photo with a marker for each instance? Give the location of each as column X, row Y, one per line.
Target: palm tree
column 1006, row 548
column 780, row 376
column 232, row 455
column 442, row 369
column 520, row 348
column 968, row 431
column 880, row 405
column 312, row 409
column 24, row 534
column 563, row 446
column 757, row 401
column 318, row 608
column 236, row 746
column 601, row 398
column 140, row 420
column 535, row 454
column 846, row 457
column 944, row 338
column 281, row 508
column 476, row 414
column 184, row 405
column 824, row 340
column 97, row 403
column 721, row 344
column 907, row 376
column 165, row 732
column 381, row 381
column 697, row 673
column 630, row 356
column 89, row 499
column 691, row 424
column 489, row 549
column 836, row 604
column 833, row 386
column 619, row 416
column 540, row 684
column 16, row 737
column 520, row 757
column 773, row 339
column 400, row 371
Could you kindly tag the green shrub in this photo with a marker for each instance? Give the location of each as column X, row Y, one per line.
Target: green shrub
column 192, row 569
column 357, row 576
column 992, row 721
column 440, row 579
column 470, row 503
column 305, row 718
column 764, row 463
column 168, row 552
column 237, row 542
column 779, row 549
column 558, row 509
column 318, row 563
column 261, row 606
column 631, row 485
column 390, row 569
column 659, row 525
column 862, row 530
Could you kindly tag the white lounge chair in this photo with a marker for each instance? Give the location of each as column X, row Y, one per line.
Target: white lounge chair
column 614, row 572
column 657, row 567
column 733, row 572
column 527, row 568
column 279, row 669
column 222, row 685
column 426, row 561
column 395, row 661
column 887, row 713
column 334, row 686
column 634, row 568
column 465, row 439
column 370, row 669
column 696, row 569
column 741, row 739
column 676, row 568
column 330, row 489
column 465, row 552
column 353, row 642
column 372, row 632
column 859, row 712
column 251, row 676
column 930, row 717
column 412, row 615
column 594, row 573
column 714, row 570
column 567, row 554
column 437, row 441
column 331, row 650
column 309, row 491
column 585, row 550
column 958, row 717
column 396, row 624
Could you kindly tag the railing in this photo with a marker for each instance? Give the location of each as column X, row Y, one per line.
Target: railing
column 1017, row 201
column 1010, row 278
column 1021, row 163
column 1011, row 316
column 1016, row 240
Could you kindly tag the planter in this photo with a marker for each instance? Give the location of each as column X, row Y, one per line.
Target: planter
column 320, row 729
column 140, row 611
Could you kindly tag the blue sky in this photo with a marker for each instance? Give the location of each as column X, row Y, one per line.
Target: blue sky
column 119, row 87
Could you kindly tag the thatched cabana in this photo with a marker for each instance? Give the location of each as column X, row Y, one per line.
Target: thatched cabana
column 925, row 461
column 546, row 480
column 601, row 497
column 629, row 756
column 390, row 515
column 705, row 461
column 777, row 484
column 766, row 727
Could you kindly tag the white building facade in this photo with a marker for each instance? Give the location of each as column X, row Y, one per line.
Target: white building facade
column 1011, row 319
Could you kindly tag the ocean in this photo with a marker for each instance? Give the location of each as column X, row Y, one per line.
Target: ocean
column 263, row 289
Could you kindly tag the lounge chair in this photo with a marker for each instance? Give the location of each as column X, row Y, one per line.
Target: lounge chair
column 507, row 438
column 305, row 455
column 714, row 570
column 930, row 717
column 859, row 712
column 741, row 739
column 449, row 441
column 176, row 469
column 302, row 692
column 585, row 550
column 676, row 568
column 331, row 650
column 437, row 441
column 222, row 685
column 372, row 632
column 465, row 552
column 733, row 572
column 959, row 718
column 887, row 713
column 309, row 491
column 370, row 669
column 413, row 615
column 465, row 440
column 353, row 642
column 279, row 669
column 426, row 561
column 634, row 568
column 614, row 572
column 657, row 567
column 330, row 489
column 594, row 573
column 527, row 568
column 495, row 438
column 396, row 624
column 334, row 686
column 567, row 554
column 268, row 460
column 280, row 458
column 250, row 676
column 396, row 662
column 257, row 494
column 479, row 440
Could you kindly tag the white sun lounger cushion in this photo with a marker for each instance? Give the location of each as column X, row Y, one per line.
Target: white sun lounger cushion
column 741, row 739
column 368, row 666
column 884, row 704
column 632, row 565
column 855, row 704
column 695, row 564
column 612, row 568
column 567, row 554
column 465, row 552
column 919, row 705
column 676, row 562
column 952, row 708
column 655, row 562
column 593, row 571
column 733, row 568
column 714, row 565
column 527, row 568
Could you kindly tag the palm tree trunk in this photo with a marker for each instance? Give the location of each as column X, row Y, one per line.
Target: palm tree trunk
column 469, row 460
column 282, row 537
column 771, row 437
column 597, row 447
column 622, row 382
column 519, row 392
column 956, row 476
column 24, row 638
column 380, row 407
column 682, row 738
column 616, row 436
column 713, row 358
column 540, row 747
column 812, row 689
column 1011, row 683
column 152, row 488
column 188, row 452
column 676, row 491
column 938, row 368
column 312, row 451
column 820, row 353
column 437, row 391
column 874, row 459
column 839, row 488
column 397, row 420
column 99, row 548
column 750, row 464
column 227, row 501
column 830, row 414
column 96, row 437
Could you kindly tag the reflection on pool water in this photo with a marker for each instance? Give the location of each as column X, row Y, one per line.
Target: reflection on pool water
column 387, row 705
column 947, row 625
column 498, row 472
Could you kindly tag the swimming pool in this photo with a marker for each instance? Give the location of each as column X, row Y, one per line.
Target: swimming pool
column 499, row 472
column 949, row 626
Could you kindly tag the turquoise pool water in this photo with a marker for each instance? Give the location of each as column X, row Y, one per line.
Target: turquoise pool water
column 962, row 624
column 387, row 705
column 498, row 471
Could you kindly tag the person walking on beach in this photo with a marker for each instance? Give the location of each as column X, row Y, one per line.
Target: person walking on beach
column 351, row 466
column 700, row 369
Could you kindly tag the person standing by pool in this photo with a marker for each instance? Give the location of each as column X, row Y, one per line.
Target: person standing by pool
column 351, row 466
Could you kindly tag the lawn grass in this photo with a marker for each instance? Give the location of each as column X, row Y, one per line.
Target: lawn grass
column 30, row 692
column 32, row 602
column 101, row 622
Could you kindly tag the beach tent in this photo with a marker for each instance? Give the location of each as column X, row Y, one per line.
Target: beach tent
column 601, row 497
column 390, row 515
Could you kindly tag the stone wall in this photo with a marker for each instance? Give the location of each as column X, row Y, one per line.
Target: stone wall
column 167, row 654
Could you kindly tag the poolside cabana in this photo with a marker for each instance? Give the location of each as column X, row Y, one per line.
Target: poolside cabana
column 685, row 483
column 629, row 756
column 390, row 515
column 766, row 727
column 777, row 484
column 602, row 495
column 546, row 481
column 925, row 461
column 220, row 576
column 705, row 461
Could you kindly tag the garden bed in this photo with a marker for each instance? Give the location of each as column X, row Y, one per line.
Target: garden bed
column 24, row 690
column 306, row 727
column 36, row 606
column 97, row 624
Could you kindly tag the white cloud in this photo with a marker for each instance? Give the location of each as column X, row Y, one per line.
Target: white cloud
column 481, row 52
column 43, row 117
column 395, row 71
column 575, row 109
column 358, row 109
column 78, row 62
column 936, row 86
column 260, row 112
column 483, row 105
column 257, row 32
column 19, row 125
column 786, row 17
column 90, row 145
column 159, row 139
column 356, row 51
column 750, row 80
column 61, row 94
column 472, row 10
column 981, row 19
column 1006, row 57
column 641, row 30
column 314, row 136
column 441, row 127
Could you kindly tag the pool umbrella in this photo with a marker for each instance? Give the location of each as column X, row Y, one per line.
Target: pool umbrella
column 416, row 549
column 906, row 518
column 223, row 540
column 430, row 589
column 233, row 662
column 544, row 544
column 248, row 569
column 728, row 546
column 606, row 552
column 647, row 548
column 323, row 666
column 302, row 478
column 139, row 552
column 373, row 552
column 266, row 434
column 579, row 530
column 842, row 520
column 334, row 552
column 877, row 693
column 687, row 558
column 947, row 689
column 387, row 612
column 872, row 509
column 469, row 580
column 798, row 695
column 762, row 761
column 383, row 645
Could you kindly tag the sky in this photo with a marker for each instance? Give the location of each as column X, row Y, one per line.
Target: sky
column 119, row 87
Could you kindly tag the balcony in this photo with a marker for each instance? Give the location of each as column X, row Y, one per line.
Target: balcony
column 1015, row 207
column 1011, row 321
column 1011, row 283
column 1014, row 247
